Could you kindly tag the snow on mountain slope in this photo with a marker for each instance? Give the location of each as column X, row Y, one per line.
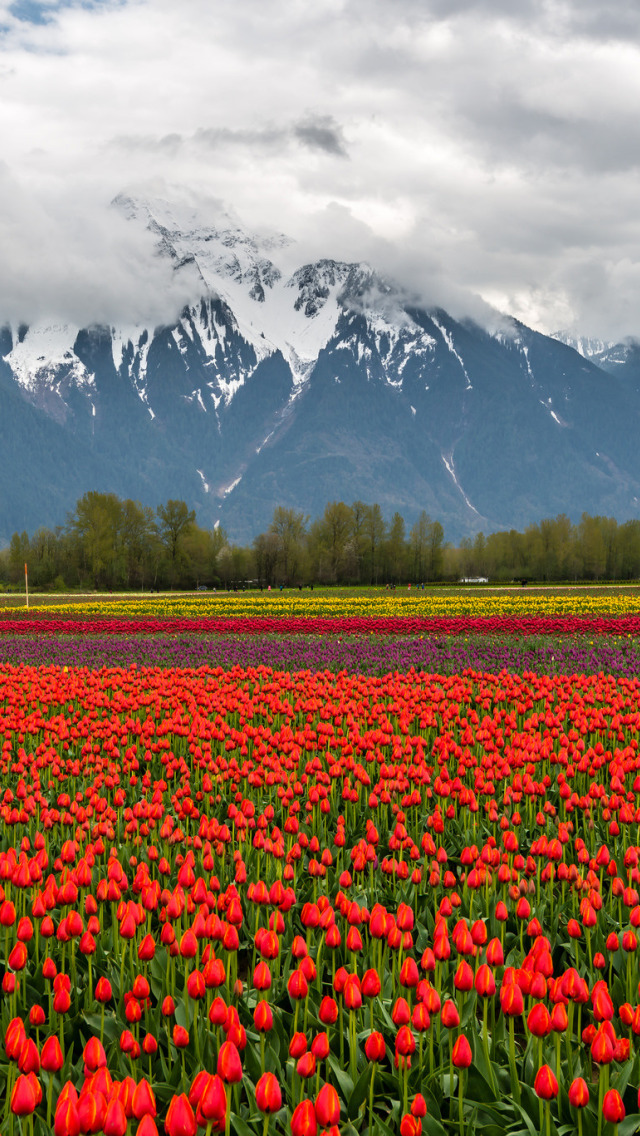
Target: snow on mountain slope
column 246, row 307
column 295, row 314
column 585, row 345
column 45, row 365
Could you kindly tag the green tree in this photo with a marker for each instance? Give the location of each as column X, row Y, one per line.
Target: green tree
column 19, row 549
column 629, row 537
column 175, row 519
column 358, row 538
column 332, row 543
column 593, row 546
column 395, row 549
column 374, row 531
column 289, row 529
column 265, row 551
column 140, row 540
column 43, row 558
column 97, row 525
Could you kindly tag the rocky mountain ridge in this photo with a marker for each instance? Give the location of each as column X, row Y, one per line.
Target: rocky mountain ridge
column 296, row 387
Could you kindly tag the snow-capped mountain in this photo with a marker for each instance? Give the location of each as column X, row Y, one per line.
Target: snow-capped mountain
column 296, row 386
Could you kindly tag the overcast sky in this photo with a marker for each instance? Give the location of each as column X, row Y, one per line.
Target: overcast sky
column 480, row 147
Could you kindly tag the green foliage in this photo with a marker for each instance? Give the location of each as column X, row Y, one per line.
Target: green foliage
column 110, row 543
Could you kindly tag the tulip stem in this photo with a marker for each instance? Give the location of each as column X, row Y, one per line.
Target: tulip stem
column 515, row 1084
column 485, row 1044
column 461, row 1100
column 49, row 1098
column 353, row 1052
column 373, row 1077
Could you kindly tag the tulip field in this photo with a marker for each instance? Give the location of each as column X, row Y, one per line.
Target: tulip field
column 321, row 867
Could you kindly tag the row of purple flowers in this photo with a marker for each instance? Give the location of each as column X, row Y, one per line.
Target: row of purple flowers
column 354, row 654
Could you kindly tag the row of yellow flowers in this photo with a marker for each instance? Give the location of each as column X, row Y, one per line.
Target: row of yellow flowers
column 276, row 604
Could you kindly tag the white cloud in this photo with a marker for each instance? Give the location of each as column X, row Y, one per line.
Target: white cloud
column 459, row 144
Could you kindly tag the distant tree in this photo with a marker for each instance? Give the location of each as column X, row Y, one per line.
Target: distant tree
column 359, row 511
column 426, row 547
column 265, row 551
column 97, row 525
column 140, row 540
column 394, row 549
column 593, row 546
column 43, row 558
column 629, row 538
column 289, row 529
column 332, row 543
column 374, row 531
column 175, row 519
column 18, row 555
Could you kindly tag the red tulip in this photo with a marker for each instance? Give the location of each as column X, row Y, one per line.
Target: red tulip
column 147, row 1127
column 463, row 978
column 409, row 976
column 461, row 1054
column 263, row 1017
column 213, row 1101
column 400, row 1014
column 612, row 1107
column 328, row 1012
column 94, row 1055
column 495, row 953
column 180, row 1119
column 103, row 990
column 485, row 982
column 229, row 1063
column 578, row 1093
column 262, row 977
column 180, row 1036
column 539, row 1020
column 545, row 1084
column 419, row 1106
column 14, row 1038
column 449, row 1016
column 66, row 1120
column 115, row 1119
column 371, row 984
column 297, row 986
column 602, row 1003
column 143, row 1102
column 51, row 1056
column 405, row 1042
column 37, row 1016
column 297, row 1045
column 268, row 1094
column 320, row 1046
column 24, row 1098
column 327, row 1106
column 410, row 1125
column 306, row 1065
column 351, row 992
column 29, row 1059
column 559, row 1018
column 303, row 1121
column 602, row 1047
column 374, row 1047
column 92, row 1110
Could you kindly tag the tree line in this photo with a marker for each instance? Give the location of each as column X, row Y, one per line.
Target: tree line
column 110, row 543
